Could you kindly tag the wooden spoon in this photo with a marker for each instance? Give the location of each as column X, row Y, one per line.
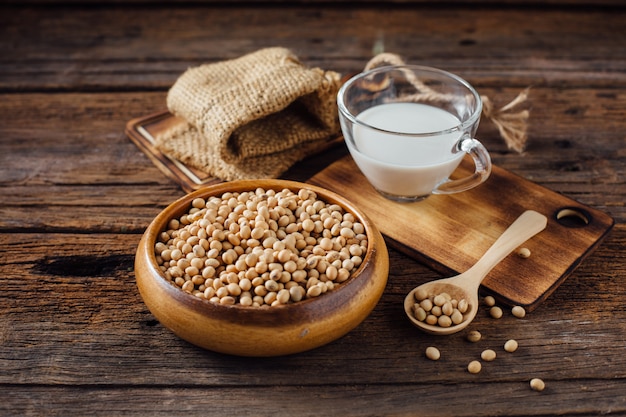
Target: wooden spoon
column 465, row 285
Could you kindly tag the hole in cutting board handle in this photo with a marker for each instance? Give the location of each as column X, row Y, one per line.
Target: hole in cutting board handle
column 572, row 217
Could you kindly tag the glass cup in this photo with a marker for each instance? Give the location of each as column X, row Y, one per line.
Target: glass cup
column 408, row 127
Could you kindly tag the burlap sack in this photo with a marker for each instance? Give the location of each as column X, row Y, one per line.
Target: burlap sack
column 251, row 117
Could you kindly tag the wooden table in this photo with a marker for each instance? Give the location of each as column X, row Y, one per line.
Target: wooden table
column 76, row 195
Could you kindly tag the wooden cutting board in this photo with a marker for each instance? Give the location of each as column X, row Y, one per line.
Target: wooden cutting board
column 450, row 233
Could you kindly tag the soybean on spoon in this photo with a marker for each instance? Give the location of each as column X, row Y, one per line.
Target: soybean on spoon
column 465, row 285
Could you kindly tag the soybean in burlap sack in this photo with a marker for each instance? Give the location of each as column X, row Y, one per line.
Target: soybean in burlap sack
column 251, row 117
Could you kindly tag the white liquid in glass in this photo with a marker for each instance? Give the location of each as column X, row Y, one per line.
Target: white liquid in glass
column 406, row 165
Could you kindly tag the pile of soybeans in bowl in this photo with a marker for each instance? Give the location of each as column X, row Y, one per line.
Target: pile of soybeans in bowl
column 261, row 247
column 261, row 267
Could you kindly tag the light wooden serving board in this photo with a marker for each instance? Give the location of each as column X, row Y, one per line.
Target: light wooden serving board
column 450, row 233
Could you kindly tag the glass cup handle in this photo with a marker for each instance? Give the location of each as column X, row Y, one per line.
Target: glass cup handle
column 482, row 162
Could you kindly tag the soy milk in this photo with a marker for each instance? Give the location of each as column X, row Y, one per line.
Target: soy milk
column 403, row 157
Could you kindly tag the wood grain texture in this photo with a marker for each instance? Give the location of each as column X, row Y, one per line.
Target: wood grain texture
column 76, row 194
column 142, row 47
column 451, row 232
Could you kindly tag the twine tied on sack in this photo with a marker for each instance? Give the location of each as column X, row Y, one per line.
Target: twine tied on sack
column 511, row 125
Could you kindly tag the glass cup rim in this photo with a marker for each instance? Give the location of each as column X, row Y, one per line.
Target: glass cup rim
column 461, row 127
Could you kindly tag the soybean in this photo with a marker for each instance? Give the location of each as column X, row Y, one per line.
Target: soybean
column 537, row 384
column 518, row 311
column 488, row 355
column 474, row 336
column 261, row 247
column 433, row 353
column 495, row 312
column 489, row 301
column 438, row 309
column 474, row 367
column 510, row 345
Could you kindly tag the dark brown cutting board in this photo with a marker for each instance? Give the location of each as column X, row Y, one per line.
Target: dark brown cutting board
column 451, row 232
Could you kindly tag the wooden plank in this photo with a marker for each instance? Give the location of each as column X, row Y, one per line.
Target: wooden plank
column 568, row 132
column 79, row 290
column 573, row 45
column 512, row 398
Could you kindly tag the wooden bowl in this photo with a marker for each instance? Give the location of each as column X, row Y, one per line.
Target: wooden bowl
column 261, row 331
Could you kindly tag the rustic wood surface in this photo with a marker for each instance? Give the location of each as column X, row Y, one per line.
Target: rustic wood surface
column 76, row 195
